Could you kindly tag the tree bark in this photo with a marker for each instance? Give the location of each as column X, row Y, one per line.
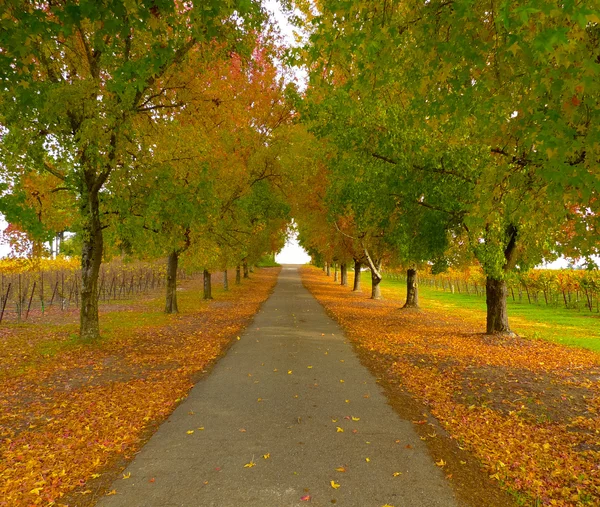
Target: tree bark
column 343, row 274
column 357, row 268
column 245, row 266
column 328, row 269
column 225, row 280
column 496, row 291
column 91, row 258
column 335, row 272
column 238, row 274
column 496, row 294
column 171, row 302
column 207, row 285
column 375, row 281
column 412, row 290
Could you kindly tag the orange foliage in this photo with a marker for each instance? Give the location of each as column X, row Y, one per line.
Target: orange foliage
column 67, row 417
column 528, row 409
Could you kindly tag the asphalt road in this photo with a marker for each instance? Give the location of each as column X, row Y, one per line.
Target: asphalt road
column 288, row 405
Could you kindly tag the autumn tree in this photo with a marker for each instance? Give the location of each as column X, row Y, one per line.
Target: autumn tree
column 75, row 78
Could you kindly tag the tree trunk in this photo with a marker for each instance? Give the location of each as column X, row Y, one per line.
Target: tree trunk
column 412, row 290
column 335, row 271
column 496, row 294
column 375, row 281
column 225, row 280
column 207, row 285
column 343, row 274
column 245, row 266
column 357, row 268
column 238, row 274
column 328, row 269
column 171, row 303
column 91, row 258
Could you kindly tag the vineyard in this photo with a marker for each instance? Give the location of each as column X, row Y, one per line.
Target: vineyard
column 29, row 289
column 573, row 289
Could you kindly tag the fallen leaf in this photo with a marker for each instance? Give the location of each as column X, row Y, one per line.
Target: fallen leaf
column 127, row 475
column 396, row 474
column 440, row 463
column 267, row 456
column 113, row 492
column 189, row 432
column 305, row 498
column 368, row 460
column 152, row 480
column 250, row 465
column 334, row 485
column 289, row 372
column 355, row 418
column 340, row 469
column 339, row 430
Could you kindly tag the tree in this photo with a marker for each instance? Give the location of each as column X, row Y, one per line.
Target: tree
column 75, row 78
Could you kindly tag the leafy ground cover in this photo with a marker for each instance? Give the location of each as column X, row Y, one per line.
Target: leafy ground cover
column 557, row 324
column 526, row 408
column 73, row 413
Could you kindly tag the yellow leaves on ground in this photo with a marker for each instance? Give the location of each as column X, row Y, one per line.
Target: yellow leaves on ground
column 396, row 474
column 250, row 465
column 339, row 429
column 334, row 484
column 340, row 469
column 527, row 409
column 267, row 456
column 127, row 475
column 93, row 404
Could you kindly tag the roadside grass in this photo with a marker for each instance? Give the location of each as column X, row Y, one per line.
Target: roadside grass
column 537, row 321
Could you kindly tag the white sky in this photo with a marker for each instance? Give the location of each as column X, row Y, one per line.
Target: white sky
column 292, row 252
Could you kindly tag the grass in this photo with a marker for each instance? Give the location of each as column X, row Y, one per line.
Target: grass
column 560, row 325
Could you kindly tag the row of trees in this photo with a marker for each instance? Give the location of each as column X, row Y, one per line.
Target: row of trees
column 452, row 132
column 148, row 127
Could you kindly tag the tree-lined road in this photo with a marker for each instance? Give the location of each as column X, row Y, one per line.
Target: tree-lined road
column 287, row 406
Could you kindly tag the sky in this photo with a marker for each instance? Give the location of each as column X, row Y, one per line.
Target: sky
column 292, row 252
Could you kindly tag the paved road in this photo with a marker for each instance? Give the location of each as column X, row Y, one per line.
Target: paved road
column 284, row 392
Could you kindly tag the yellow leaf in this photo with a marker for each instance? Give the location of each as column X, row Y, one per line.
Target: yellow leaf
column 289, row 372
column 201, row 428
column 113, row 492
column 127, row 475
column 36, row 491
column 368, row 460
column 259, row 400
column 334, row 420
column 440, row 463
column 355, row 418
column 341, row 381
column 347, row 401
column 340, row 469
column 388, row 505
column 250, row 465
column 267, row 456
column 334, row 485
column 339, row 430
column 95, row 476
column 309, row 367
column 396, row 474
column 189, row 432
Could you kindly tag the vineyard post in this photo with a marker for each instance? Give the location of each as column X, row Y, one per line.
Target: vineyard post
column 19, row 301
column 4, row 302
column 54, row 292
column 42, row 290
column 30, row 300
